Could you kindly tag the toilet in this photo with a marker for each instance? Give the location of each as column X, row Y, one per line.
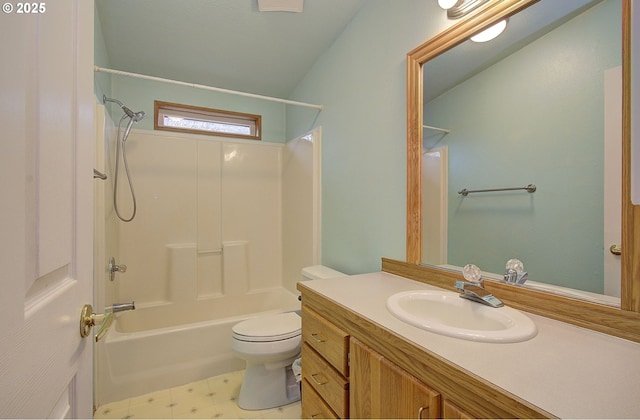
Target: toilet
column 269, row 345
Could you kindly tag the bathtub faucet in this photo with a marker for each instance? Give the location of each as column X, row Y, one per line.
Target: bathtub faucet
column 120, row 307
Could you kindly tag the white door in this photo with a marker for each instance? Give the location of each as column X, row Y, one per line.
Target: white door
column 46, row 156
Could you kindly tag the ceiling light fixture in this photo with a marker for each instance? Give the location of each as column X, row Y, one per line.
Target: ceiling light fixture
column 281, row 5
column 491, row 32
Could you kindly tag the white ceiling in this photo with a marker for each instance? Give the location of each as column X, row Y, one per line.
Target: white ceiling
column 223, row 43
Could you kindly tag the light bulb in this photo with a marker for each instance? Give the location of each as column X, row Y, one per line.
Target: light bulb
column 447, row 4
column 491, row 32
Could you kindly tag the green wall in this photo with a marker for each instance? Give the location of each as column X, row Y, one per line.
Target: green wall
column 361, row 81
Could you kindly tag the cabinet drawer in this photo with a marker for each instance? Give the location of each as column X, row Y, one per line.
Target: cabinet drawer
column 313, row 406
column 326, row 381
column 327, row 339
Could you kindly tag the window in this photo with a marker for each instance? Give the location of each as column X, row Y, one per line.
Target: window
column 199, row 120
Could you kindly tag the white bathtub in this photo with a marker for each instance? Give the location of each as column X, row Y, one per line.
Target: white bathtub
column 162, row 346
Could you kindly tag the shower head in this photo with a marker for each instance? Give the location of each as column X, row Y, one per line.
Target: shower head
column 135, row 116
column 138, row 116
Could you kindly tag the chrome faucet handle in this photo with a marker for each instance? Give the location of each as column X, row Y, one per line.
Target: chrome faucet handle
column 472, row 274
column 115, row 268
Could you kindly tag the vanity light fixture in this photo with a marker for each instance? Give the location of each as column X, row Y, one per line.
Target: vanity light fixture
column 491, row 32
column 459, row 8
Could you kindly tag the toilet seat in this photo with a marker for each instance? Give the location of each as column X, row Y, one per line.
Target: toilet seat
column 269, row 328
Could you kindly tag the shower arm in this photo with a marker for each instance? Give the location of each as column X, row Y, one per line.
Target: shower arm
column 105, row 100
column 135, row 116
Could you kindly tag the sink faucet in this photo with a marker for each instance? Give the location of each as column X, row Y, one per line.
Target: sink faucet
column 515, row 273
column 513, row 277
column 121, row 307
column 477, row 293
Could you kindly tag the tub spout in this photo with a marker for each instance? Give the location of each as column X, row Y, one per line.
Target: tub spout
column 120, row 307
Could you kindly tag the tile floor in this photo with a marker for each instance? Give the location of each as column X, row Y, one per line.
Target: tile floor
column 210, row 398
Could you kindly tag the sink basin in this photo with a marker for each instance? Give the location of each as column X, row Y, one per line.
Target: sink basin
column 446, row 313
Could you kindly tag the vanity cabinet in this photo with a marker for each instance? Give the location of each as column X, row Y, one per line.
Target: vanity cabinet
column 380, row 389
column 352, row 367
column 325, row 368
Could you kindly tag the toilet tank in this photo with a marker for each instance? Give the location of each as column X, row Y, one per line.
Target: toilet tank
column 316, row 272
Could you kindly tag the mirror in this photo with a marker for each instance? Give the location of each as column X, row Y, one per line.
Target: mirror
column 623, row 321
column 547, row 73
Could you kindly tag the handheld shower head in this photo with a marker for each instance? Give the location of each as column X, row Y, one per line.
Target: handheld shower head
column 135, row 116
column 129, row 112
column 138, row 116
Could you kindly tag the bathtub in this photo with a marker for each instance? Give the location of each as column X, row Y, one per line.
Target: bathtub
column 165, row 345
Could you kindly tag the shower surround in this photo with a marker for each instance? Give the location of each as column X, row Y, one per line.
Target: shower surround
column 196, row 198
column 204, row 252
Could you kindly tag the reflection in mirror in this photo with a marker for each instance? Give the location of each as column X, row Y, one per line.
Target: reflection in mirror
column 536, row 106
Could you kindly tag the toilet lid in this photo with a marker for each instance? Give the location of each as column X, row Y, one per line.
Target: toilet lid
column 269, row 328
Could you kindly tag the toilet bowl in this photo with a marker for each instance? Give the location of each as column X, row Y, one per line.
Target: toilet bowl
column 269, row 345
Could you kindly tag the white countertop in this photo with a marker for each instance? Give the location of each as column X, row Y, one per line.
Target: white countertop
column 566, row 370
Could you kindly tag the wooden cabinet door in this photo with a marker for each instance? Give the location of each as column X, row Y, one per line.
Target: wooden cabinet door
column 380, row 389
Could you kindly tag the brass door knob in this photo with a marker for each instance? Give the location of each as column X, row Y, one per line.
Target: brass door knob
column 88, row 319
column 615, row 249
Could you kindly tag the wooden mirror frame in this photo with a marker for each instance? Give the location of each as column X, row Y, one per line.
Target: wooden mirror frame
column 622, row 322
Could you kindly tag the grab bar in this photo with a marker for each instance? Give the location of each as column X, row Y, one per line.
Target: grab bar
column 98, row 174
column 529, row 188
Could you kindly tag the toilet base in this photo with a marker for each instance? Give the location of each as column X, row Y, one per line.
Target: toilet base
column 264, row 388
